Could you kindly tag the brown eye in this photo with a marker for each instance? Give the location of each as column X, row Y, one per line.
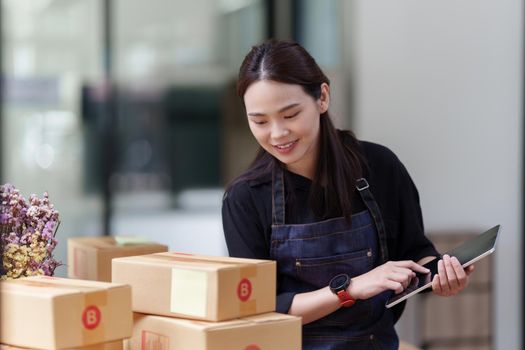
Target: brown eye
column 291, row 116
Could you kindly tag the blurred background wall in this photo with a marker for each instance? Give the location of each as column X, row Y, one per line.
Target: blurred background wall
column 441, row 84
column 125, row 112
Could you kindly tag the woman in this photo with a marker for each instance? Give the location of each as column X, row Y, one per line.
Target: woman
column 340, row 216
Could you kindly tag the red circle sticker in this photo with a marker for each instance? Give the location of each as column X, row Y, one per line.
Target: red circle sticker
column 252, row 347
column 91, row 317
column 244, row 290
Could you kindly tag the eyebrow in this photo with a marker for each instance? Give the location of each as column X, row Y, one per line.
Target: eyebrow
column 285, row 108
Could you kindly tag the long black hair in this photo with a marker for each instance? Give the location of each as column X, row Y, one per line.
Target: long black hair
column 339, row 164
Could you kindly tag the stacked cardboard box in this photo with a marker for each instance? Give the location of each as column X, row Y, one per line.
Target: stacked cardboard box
column 198, row 287
column 57, row 313
column 114, row 345
column 89, row 258
column 260, row 332
column 196, row 302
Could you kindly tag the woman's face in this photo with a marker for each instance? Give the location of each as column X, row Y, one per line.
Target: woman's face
column 285, row 122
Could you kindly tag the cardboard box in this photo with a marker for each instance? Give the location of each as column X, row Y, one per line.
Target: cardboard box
column 89, row 258
column 59, row 313
column 407, row 346
column 114, row 345
column 261, row 332
column 199, row 287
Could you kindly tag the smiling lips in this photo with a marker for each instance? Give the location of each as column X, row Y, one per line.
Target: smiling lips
column 285, row 147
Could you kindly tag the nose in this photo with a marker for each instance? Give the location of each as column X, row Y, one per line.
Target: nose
column 279, row 131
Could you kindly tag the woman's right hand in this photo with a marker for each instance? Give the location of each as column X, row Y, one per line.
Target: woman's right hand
column 394, row 275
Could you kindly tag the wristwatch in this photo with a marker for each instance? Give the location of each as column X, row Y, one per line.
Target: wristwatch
column 339, row 285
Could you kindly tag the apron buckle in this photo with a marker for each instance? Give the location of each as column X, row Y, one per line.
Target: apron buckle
column 361, row 184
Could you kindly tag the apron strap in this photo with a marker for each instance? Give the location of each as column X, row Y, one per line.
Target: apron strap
column 278, row 209
column 366, row 195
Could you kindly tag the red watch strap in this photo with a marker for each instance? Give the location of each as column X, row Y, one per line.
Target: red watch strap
column 345, row 298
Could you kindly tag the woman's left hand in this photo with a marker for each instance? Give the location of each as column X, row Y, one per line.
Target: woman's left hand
column 451, row 277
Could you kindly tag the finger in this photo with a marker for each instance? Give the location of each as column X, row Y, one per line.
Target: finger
column 436, row 286
column 407, row 272
column 470, row 269
column 395, row 286
column 409, row 264
column 418, row 268
column 443, row 280
column 399, row 278
column 460, row 272
column 451, row 274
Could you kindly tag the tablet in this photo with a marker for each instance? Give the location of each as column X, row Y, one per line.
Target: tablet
column 467, row 253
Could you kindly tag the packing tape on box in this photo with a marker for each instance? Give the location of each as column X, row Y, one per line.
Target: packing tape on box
column 80, row 263
column 161, row 258
column 113, row 345
column 248, row 304
column 123, row 241
column 249, row 271
column 92, row 242
column 52, row 283
column 93, row 315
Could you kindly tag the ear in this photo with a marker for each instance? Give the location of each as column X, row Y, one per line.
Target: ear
column 323, row 102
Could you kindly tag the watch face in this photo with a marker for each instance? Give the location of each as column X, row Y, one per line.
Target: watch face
column 339, row 281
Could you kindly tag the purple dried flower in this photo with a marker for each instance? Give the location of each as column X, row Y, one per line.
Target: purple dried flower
column 27, row 234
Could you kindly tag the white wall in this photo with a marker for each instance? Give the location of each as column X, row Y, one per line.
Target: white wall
column 439, row 82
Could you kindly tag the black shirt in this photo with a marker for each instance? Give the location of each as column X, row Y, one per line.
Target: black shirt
column 247, row 211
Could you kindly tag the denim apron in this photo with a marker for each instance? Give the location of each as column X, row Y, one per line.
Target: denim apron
column 309, row 255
